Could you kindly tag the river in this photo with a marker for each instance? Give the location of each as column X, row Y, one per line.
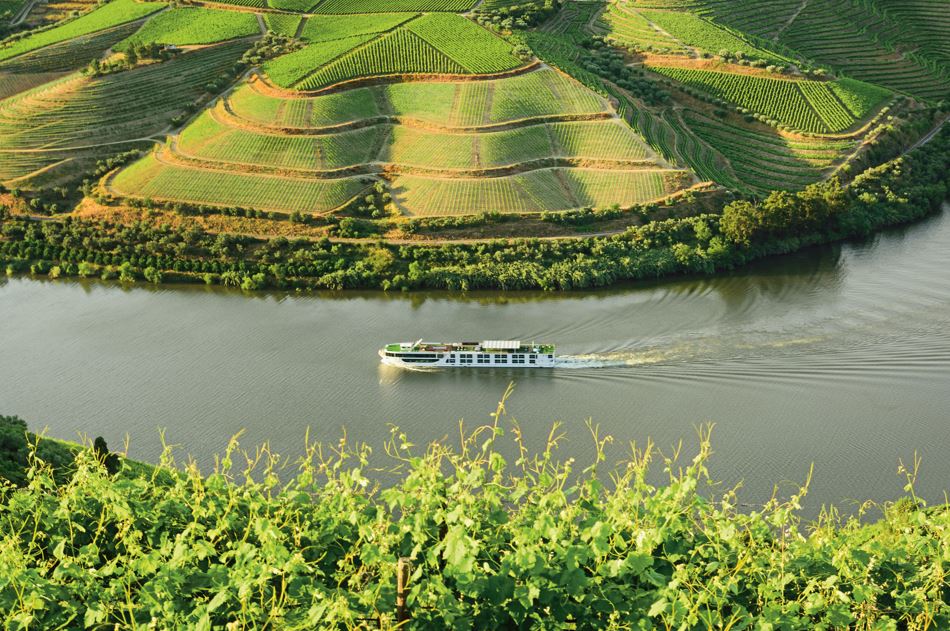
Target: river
column 837, row 356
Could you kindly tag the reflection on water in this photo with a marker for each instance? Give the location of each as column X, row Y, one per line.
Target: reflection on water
column 838, row 356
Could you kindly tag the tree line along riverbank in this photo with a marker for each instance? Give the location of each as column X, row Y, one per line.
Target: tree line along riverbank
column 901, row 190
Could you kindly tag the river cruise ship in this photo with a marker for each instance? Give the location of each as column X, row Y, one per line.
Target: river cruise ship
column 489, row 354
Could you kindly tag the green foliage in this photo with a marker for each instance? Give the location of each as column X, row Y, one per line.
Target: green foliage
column 527, row 542
column 185, row 26
column 18, row 447
column 108, row 15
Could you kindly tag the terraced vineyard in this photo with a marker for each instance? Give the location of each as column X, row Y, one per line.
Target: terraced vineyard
column 46, row 64
column 598, row 104
column 620, row 24
column 698, row 33
column 150, row 178
column 447, row 104
column 812, row 106
column 188, row 26
column 765, row 161
column 493, row 142
column 109, row 15
column 57, row 120
column 390, row 44
column 898, row 45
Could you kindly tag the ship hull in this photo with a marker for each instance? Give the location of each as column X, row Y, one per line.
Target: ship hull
column 451, row 359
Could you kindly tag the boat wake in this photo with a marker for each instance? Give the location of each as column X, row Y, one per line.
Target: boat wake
column 609, row 360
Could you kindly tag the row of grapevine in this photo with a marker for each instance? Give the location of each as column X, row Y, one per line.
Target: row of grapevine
column 80, row 111
column 794, row 103
column 324, row 28
column 600, row 189
column 208, row 139
column 764, row 161
column 828, row 107
column 382, row 6
column 699, row 156
column 699, row 33
column 107, row 16
column 283, row 24
column 537, row 191
column 149, row 178
column 630, row 28
column 607, row 140
column 186, row 26
column 532, row 192
column 289, row 69
column 399, row 52
column 473, row 47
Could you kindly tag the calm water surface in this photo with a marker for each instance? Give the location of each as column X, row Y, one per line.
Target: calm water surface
column 838, row 356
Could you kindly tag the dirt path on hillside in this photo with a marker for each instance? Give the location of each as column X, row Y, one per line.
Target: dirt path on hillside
column 790, row 20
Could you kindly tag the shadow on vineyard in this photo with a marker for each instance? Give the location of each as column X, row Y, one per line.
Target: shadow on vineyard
column 478, row 541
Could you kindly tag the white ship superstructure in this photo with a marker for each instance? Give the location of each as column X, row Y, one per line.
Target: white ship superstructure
column 488, row 354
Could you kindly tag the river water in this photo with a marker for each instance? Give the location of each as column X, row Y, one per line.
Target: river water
column 838, row 356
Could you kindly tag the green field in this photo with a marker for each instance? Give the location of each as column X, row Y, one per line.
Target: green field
column 149, row 178
column 108, row 15
column 382, row 6
column 187, row 26
column 811, row 106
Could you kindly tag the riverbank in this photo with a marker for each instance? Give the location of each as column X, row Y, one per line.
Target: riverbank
column 900, row 191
